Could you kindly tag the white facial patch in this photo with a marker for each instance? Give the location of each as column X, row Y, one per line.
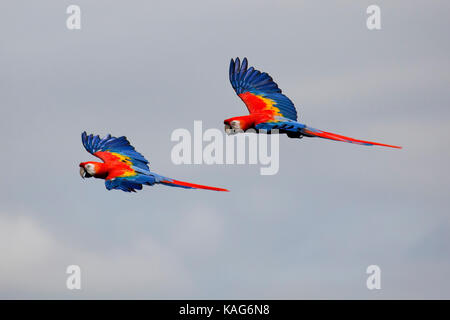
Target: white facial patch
column 90, row 168
column 235, row 124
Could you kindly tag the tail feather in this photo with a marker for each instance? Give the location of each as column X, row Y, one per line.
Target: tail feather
column 311, row 132
column 188, row 185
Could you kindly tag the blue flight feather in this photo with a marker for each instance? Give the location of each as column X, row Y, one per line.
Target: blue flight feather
column 244, row 79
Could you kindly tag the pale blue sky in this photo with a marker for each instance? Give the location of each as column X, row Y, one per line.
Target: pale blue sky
column 145, row 68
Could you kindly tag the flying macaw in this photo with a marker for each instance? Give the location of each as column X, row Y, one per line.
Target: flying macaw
column 270, row 109
column 123, row 167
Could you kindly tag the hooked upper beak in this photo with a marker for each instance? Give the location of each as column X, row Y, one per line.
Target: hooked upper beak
column 82, row 172
column 228, row 129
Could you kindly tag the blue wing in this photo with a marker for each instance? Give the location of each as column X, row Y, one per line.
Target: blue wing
column 102, row 148
column 130, row 184
column 251, row 83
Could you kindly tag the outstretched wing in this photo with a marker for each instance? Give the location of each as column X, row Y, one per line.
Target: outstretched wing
column 117, row 151
column 259, row 92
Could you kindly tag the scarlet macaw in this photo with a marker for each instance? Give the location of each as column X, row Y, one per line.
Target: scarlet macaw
column 123, row 167
column 270, row 109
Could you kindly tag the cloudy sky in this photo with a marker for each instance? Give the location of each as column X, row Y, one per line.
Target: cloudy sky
column 145, row 68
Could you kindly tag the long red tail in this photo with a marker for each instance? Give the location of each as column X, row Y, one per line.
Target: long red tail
column 333, row 136
column 182, row 184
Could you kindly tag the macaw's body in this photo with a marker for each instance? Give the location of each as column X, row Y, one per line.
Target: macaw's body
column 270, row 109
column 124, row 168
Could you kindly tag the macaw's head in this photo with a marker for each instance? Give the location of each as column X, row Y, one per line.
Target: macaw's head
column 88, row 169
column 237, row 124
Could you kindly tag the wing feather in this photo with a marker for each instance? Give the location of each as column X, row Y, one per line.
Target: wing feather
column 114, row 149
column 259, row 92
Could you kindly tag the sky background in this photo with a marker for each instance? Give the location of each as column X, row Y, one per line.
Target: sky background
column 145, row 68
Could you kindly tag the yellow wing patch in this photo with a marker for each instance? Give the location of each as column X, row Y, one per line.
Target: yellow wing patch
column 126, row 160
column 270, row 105
column 122, row 158
column 259, row 104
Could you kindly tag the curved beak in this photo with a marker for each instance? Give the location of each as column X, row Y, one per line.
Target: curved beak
column 82, row 172
column 228, row 129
